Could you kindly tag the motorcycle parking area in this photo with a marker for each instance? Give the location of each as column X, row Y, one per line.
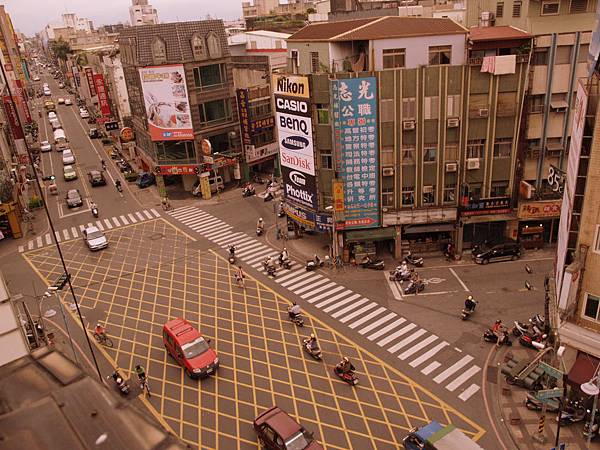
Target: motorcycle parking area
column 153, row 272
column 437, row 281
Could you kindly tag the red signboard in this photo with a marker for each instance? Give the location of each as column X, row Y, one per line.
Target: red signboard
column 89, row 74
column 21, row 98
column 11, row 114
column 187, row 169
column 102, row 94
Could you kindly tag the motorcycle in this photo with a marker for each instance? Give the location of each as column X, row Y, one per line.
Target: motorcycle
column 414, row 287
column 532, row 403
column 296, row 319
column 536, row 341
column 348, row 377
column 231, row 258
column 414, row 260
column 285, row 263
column 368, row 263
column 590, row 429
column 259, row 231
column 95, row 212
column 311, row 265
column 270, row 269
column 248, row 191
column 120, row 382
column 490, row 336
column 119, row 187
column 268, row 197
column 280, row 210
column 572, row 414
column 399, row 275
column 315, row 352
column 466, row 313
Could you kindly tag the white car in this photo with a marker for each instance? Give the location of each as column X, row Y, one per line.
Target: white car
column 52, row 115
column 45, row 146
column 68, row 101
column 68, row 157
column 94, row 238
column 61, row 101
column 83, row 113
column 47, row 92
column 69, row 173
column 36, row 78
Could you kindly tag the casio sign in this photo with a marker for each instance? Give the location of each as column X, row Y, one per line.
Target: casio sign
column 295, row 143
column 291, row 105
column 298, row 178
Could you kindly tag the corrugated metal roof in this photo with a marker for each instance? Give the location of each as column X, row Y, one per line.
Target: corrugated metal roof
column 497, row 33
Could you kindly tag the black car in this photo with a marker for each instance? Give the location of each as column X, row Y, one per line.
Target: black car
column 94, row 133
column 146, row 179
column 96, row 178
column 507, row 251
column 124, row 166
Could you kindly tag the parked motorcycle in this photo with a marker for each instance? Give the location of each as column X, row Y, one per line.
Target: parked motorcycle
column 313, row 351
column 532, row 403
column 248, row 191
column 591, row 429
column 399, row 275
column 490, row 336
column 374, row 264
column 414, row 260
column 311, row 265
column 572, row 414
column 536, row 341
column 414, row 287
column 348, row 377
column 119, row 382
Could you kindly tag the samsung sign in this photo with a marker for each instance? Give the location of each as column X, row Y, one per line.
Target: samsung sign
column 299, row 187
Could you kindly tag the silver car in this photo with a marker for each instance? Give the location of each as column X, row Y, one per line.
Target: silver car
column 94, row 238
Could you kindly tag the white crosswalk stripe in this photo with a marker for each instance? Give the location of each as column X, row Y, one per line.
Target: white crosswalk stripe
column 30, row 245
column 453, row 369
column 468, row 393
column 147, row 214
column 463, row 378
column 66, row 234
column 123, row 219
column 368, row 317
column 346, row 293
column 99, row 225
column 341, row 303
column 21, row 249
column 349, row 308
column 315, row 285
column 74, row 232
column 291, row 274
column 385, row 329
column 48, row 238
column 217, row 234
column 81, row 228
column 427, row 355
column 155, row 212
column 431, row 367
column 108, row 224
column 396, row 334
column 326, row 287
column 131, row 218
column 323, row 295
column 302, row 282
column 296, row 279
column 137, row 213
column 358, row 312
column 247, row 250
column 39, row 241
column 417, row 347
column 57, row 235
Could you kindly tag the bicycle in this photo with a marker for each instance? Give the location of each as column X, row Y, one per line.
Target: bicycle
column 239, row 279
column 338, row 263
column 144, row 386
column 103, row 339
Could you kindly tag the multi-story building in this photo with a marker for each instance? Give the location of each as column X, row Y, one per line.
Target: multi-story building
column 141, row 13
column 259, row 7
column 447, row 120
column 180, row 85
column 261, row 43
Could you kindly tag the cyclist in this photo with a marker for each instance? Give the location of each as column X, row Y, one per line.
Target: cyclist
column 100, row 330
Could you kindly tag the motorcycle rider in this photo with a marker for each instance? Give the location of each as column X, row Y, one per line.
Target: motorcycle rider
column 118, row 185
column 317, row 260
column 260, row 225
column 294, row 311
column 100, row 330
column 103, row 164
column 239, row 275
column 344, row 366
column 283, row 256
column 498, row 330
column 470, row 303
column 312, row 342
column 231, row 249
column 93, row 206
column 141, row 372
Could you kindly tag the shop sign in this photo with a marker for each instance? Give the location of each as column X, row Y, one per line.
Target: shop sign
column 338, row 196
column 256, row 126
column 252, row 153
column 292, row 85
column 300, row 187
column 356, row 151
column 89, row 74
column 244, row 112
column 324, row 221
column 486, row 206
column 11, row 114
column 20, row 94
column 187, row 169
column 303, row 216
column 539, row 210
column 102, row 94
column 112, row 126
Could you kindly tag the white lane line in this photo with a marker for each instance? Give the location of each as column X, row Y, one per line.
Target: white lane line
column 430, row 367
column 108, row 224
column 428, row 355
column 459, row 280
column 349, row 308
column 468, row 392
column 334, row 298
column 155, row 212
column 290, row 275
column 66, row 234
column 415, row 348
column 359, row 311
column 81, row 228
column 298, row 278
column 39, row 241
column 385, row 329
column 48, row 238
column 464, row 377
column 21, row 249
column 123, row 219
column 312, row 279
column 378, row 322
column 453, row 368
column 366, row 318
column 341, row 303
column 396, row 334
column 131, row 218
column 311, row 287
column 326, row 287
column 74, row 232
column 395, row 288
column 30, row 245
column 325, row 294
column 147, row 214
column 99, row 225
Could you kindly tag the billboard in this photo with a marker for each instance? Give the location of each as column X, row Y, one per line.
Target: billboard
column 244, row 113
column 102, row 94
column 292, row 85
column 89, row 74
column 11, row 114
column 166, row 101
column 300, row 187
column 356, row 152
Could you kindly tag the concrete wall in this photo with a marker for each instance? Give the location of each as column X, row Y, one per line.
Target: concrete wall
column 304, row 49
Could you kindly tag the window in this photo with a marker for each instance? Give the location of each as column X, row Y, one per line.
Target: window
column 475, row 148
column 450, row 193
column 278, row 44
column 498, row 189
column 563, row 54
column 387, row 197
column 409, row 108
column 499, row 9
column 453, row 106
column 326, row 160
column 592, row 307
column 502, row 147
column 578, row 6
column 451, row 152
column 536, row 103
column 540, row 57
column 550, row 7
column 429, row 153
column 439, row 55
column 386, row 110
column 210, row 77
column 474, row 191
column 198, row 47
column 159, row 51
column 516, row 12
column 408, row 155
column 314, row 62
column 260, row 108
column 214, row 45
column 394, row 57
column 408, row 196
column 431, row 107
column 262, row 138
column 215, row 111
column 175, row 151
column 322, row 114
column 428, row 195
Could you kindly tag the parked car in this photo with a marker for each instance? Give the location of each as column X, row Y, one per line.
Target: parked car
column 73, row 198
column 189, row 348
column 83, row 113
column 94, row 238
column 276, row 430
column 124, row 166
column 45, row 146
column 146, row 179
column 68, row 102
column 52, row 115
column 69, row 173
column 96, row 178
column 68, row 157
column 61, row 101
column 94, row 133
column 507, row 251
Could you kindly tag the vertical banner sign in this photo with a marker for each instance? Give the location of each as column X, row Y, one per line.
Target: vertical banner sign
column 102, row 94
column 89, row 74
column 11, row 114
column 166, row 101
column 338, row 196
column 76, row 76
column 243, row 110
column 357, row 155
column 22, row 99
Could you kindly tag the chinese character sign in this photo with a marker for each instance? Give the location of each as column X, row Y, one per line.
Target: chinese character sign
column 102, row 94
column 243, row 110
column 356, row 149
column 89, row 74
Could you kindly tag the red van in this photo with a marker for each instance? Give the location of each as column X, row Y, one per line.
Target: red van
column 189, row 348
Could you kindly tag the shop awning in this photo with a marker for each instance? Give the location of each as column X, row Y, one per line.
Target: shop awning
column 583, row 369
column 430, row 228
column 377, row 234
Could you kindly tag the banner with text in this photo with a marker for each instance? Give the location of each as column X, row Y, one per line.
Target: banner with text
column 102, row 94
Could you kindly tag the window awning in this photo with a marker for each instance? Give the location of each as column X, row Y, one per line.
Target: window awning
column 429, row 228
column 558, row 104
column 377, row 234
column 583, row 369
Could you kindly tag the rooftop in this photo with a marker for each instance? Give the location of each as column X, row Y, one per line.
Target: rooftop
column 374, row 28
column 499, row 33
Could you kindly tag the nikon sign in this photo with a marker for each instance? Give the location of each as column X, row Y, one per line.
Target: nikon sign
column 294, row 127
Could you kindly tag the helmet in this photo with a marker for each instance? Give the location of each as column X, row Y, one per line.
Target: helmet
column 260, row 219
column 312, row 335
column 293, row 303
column 345, row 359
column 498, row 321
column 284, row 249
column 470, row 297
column 98, row 324
column 137, row 367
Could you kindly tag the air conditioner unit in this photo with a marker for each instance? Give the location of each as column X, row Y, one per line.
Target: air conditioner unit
column 408, row 124
column 451, row 167
column 427, row 189
column 487, row 15
column 484, row 112
column 453, row 122
column 472, row 163
column 388, row 171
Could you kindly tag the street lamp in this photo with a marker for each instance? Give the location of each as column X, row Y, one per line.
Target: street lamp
column 592, row 389
column 334, row 233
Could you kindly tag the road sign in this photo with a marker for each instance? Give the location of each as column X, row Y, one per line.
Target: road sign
column 551, row 371
column 111, row 126
column 547, row 394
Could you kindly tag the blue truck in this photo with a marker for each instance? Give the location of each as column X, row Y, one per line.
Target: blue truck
column 434, row 436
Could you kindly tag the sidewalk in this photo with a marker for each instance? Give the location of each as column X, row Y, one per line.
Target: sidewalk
column 40, row 227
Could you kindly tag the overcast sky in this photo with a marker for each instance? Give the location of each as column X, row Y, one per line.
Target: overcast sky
column 30, row 16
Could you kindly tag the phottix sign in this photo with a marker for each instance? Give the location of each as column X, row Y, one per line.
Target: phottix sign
column 299, row 187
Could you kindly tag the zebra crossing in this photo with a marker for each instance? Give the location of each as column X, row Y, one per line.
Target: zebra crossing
column 418, row 347
column 104, row 224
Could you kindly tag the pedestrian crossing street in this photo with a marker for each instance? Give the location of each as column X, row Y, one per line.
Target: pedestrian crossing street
column 102, row 224
column 418, row 347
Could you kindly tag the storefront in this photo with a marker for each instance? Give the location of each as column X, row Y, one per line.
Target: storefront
column 538, row 222
column 9, row 221
column 485, row 219
column 371, row 242
column 427, row 238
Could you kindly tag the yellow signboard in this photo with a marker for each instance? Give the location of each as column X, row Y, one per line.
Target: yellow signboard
column 292, row 85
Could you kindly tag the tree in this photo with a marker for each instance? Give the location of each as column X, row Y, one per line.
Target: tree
column 60, row 48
